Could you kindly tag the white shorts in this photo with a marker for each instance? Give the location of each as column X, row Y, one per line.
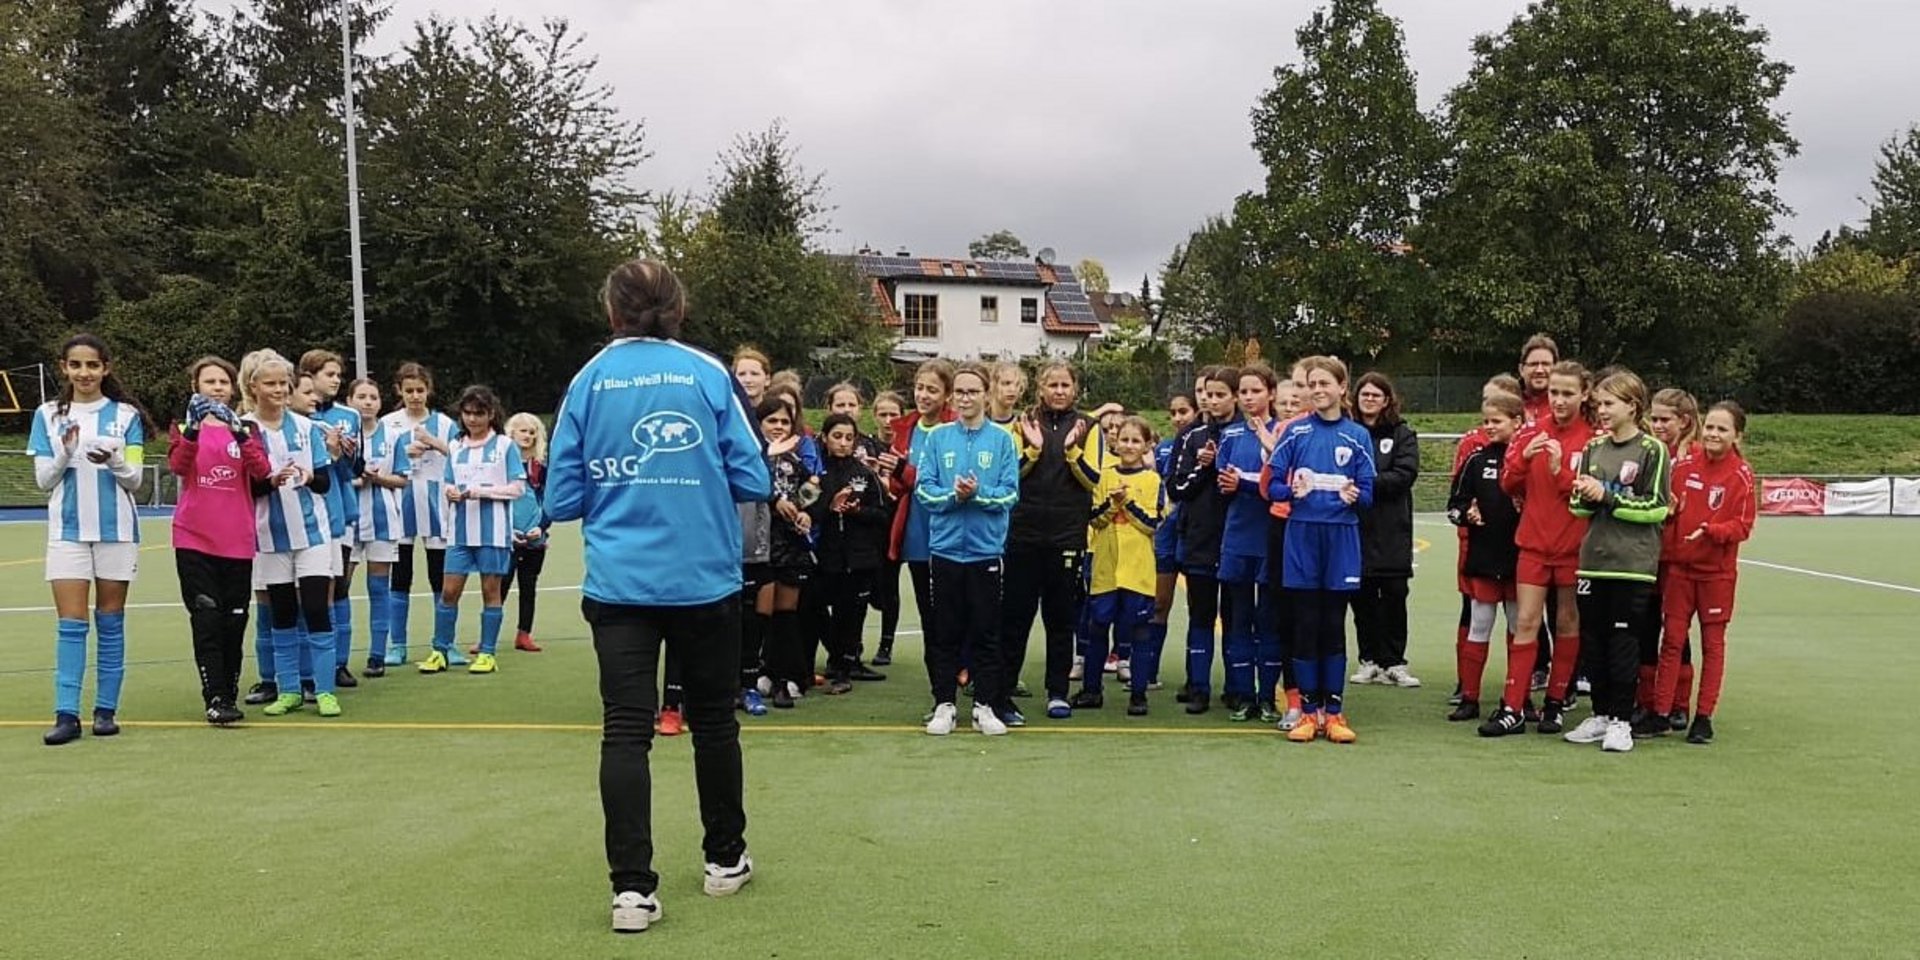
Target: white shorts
column 376, row 551
column 338, row 551
column 67, row 560
column 272, row 568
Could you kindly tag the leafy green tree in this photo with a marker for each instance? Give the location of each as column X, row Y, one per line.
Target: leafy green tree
column 1612, row 182
column 1893, row 218
column 998, row 245
column 1347, row 150
column 1092, row 275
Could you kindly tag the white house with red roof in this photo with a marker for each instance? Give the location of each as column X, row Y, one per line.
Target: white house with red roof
column 978, row 309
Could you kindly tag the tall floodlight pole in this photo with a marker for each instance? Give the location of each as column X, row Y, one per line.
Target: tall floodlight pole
column 353, row 196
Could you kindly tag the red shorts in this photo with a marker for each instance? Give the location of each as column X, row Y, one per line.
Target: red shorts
column 1484, row 590
column 1711, row 600
column 1540, row 570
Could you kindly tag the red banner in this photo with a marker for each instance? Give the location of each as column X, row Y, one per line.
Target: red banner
column 1792, row 497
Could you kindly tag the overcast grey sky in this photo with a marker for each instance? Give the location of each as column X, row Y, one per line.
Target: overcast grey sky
column 1104, row 128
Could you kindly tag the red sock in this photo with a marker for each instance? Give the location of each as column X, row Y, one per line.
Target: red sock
column 1644, row 694
column 1683, row 690
column 1293, row 698
column 1520, row 659
column 1472, row 658
column 1566, row 656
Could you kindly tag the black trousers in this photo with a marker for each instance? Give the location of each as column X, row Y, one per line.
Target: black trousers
column 217, row 591
column 967, row 600
column 1612, row 614
column 402, row 578
column 921, row 573
column 524, row 575
column 886, row 599
column 844, row 594
column 1044, row 581
column 1380, row 620
column 627, row 641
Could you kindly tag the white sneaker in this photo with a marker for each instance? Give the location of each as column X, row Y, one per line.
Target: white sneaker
column 1399, row 677
column 1079, row 671
column 632, row 911
column 1619, row 737
column 1591, row 730
column 727, row 881
column 1368, row 673
column 945, row 716
column 1583, row 686
column 986, row 721
column 764, row 685
column 793, row 690
column 1290, row 719
column 1125, row 672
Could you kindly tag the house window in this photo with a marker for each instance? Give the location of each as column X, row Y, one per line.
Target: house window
column 946, row 269
column 922, row 315
column 1029, row 310
column 989, row 309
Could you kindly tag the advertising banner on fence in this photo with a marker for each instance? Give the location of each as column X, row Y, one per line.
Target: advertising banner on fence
column 1792, row 497
column 1906, row 497
column 1860, row 498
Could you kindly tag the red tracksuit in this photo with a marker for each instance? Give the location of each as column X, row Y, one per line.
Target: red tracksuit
column 1549, row 539
column 1716, row 499
column 1646, row 696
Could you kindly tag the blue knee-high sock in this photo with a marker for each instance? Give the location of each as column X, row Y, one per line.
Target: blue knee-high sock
column 490, row 620
column 446, row 618
column 305, row 648
column 319, row 646
column 1270, row 672
column 69, row 665
column 397, row 611
column 1333, row 681
column 379, row 600
column 1096, row 653
column 1157, row 638
column 110, row 659
column 286, row 659
column 342, row 631
column 263, row 642
column 1200, row 656
column 1149, row 641
column 1308, row 673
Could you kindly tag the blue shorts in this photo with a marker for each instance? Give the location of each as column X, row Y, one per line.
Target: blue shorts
column 1241, row 568
column 485, row 561
column 1122, row 608
column 1321, row 556
column 1166, row 547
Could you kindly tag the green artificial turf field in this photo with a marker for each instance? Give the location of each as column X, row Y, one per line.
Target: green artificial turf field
column 456, row 816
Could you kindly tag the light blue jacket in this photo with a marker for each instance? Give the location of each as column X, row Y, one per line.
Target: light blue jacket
column 975, row 529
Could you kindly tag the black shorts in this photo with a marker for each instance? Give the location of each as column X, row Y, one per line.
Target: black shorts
column 753, row 576
column 791, row 576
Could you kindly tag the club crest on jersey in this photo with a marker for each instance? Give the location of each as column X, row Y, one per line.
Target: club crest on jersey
column 984, row 459
column 1386, row 446
column 946, row 460
column 664, row 432
column 1716, row 497
column 233, row 449
column 1629, row 472
column 1342, row 456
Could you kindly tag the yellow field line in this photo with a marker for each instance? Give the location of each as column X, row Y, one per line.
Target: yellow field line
column 755, row 728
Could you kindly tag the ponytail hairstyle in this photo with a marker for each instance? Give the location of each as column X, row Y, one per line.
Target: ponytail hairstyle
column 313, row 361
column 1502, row 382
column 110, row 386
column 1687, row 409
column 1624, row 384
column 482, row 398
column 979, row 370
column 1572, row 368
column 644, row 299
column 888, row 396
column 1506, row 403
column 1259, row 368
column 940, row 369
column 412, row 371
column 1733, row 409
column 750, row 352
column 1138, row 423
column 1336, row 367
column 255, row 365
column 1040, row 378
column 845, row 387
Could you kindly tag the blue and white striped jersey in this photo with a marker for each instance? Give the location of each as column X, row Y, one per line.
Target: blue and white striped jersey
column 292, row 517
column 426, row 501
column 382, row 511
column 88, row 503
column 491, row 463
column 341, row 502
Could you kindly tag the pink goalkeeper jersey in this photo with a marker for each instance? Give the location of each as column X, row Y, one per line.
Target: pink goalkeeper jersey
column 215, row 514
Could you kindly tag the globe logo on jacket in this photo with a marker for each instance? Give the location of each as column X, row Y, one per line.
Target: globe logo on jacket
column 667, row 431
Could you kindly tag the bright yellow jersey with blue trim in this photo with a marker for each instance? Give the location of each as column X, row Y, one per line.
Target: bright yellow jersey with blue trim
column 1123, row 532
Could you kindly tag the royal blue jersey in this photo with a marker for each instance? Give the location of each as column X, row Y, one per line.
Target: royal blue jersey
column 90, row 502
column 653, row 446
column 1245, row 534
column 975, row 529
column 1328, row 454
column 292, row 517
